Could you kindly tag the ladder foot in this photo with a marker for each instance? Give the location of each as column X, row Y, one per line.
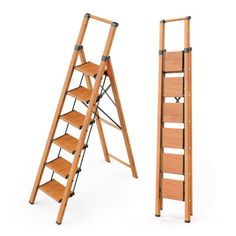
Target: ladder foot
column 58, row 223
column 187, row 221
column 157, row 215
column 31, row 202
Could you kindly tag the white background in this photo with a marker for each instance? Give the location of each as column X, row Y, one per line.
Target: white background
column 37, row 40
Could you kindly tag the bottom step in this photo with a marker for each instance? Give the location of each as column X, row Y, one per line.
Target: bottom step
column 54, row 189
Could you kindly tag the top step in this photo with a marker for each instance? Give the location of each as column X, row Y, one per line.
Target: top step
column 88, row 68
column 173, row 62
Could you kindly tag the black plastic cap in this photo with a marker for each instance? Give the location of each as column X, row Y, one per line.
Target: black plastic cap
column 187, row 221
column 188, row 18
column 162, row 21
column 31, row 203
column 78, row 47
column 87, row 15
column 187, row 50
column 58, row 223
column 157, row 215
column 114, row 24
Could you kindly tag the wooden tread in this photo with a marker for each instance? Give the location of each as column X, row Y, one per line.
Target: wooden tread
column 67, row 142
column 81, row 93
column 61, row 167
column 173, row 163
column 88, row 68
column 74, row 118
column 173, row 189
column 173, row 112
column 54, row 189
column 173, row 87
column 173, row 62
column 173, row 138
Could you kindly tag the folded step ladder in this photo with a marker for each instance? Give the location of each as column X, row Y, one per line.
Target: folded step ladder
column 174, row 106
column 90, row 97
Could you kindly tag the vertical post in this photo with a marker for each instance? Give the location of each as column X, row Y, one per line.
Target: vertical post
column 159, row 122
column 86, row 123
column 187, row 121
column 121, row 118
column 58, row 112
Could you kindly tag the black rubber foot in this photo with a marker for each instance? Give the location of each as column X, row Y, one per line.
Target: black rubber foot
column 58, row 223
column 31, row 203
column 157, row 215
column 187, row 221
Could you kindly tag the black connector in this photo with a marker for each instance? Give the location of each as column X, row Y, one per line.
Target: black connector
column 114, row 24
column 105, row 58
column 161, row 52
column 163, row 21
column 87, row 15
column 187, row 50
column 78, row 47
column 157, row 215
column 188, row 18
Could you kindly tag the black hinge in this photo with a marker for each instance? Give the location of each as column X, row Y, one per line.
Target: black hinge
column 78, row 47
column 161, row 52
column 105, row 58
column 187, row 50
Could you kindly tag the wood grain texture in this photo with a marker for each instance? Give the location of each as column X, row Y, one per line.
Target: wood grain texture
column 173, row 189
column 173, row 87
column 74, row 118
column 172, row 163
column 67, row 142
column 81, row 93
column 173, row 62
column 61, row 166
column 172, row 138
column 88, row 68
column 173, row 112
column 54, row 189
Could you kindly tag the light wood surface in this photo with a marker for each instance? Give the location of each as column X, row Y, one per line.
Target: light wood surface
column 101, row 19
column 173, row 62
column 173, row 87
column 88, row 68
column 67, row 142
column 81, row 93
column 74, row 118
column 175, row 19
column 172, row 138
column 61, row 166
column 173, row 112
column 173, row 164
column 173, row 189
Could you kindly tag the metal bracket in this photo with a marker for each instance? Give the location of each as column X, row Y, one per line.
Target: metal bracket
column 161, row 52
column 187, row 50
column 78, row 47
column 106, row 58
column 114, row 24
column 188, row 18
column 162, row 21
column 87, row 15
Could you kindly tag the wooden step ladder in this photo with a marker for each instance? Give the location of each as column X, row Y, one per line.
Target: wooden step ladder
column 89, row 95
column 174, row 145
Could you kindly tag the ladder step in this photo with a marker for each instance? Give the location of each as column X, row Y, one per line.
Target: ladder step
column 172, row 138
column 61, row 167
column 88, row 68
column 173, row 112
column 81, row 93
column 54, row 189
column 74, row 118
column 173, row 62
column 173, row 189
column 67, row 142
column 173, row 87
column 173, row 163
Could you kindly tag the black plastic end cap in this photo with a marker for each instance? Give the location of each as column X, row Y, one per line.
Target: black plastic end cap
column 114, row 24
column 87, row 15
column 187, row 50
column 188, row 18
column 78, row 47
column 163, row 21
column 105, row 58
column 157, row 215
column 187, row 221
column 58, row 223
column 31, row 203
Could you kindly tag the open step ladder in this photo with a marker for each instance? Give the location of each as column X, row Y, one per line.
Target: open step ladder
column 90, row 97
column 174, row 145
